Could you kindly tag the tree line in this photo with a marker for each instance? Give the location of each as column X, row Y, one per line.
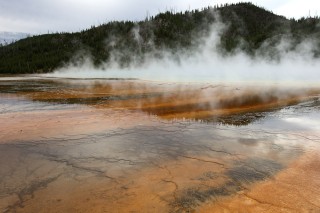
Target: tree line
column 248, row 27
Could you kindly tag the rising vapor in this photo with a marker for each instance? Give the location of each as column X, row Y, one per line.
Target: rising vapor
column 280, row 61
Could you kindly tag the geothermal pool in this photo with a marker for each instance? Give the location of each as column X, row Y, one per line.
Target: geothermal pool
column 127, row 145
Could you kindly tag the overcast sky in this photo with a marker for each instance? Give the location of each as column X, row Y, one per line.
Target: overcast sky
column 42, row 16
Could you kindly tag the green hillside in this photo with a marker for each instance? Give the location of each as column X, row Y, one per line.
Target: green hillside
column 248, row 27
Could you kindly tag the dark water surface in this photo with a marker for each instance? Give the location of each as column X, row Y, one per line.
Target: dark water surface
column 71, row 145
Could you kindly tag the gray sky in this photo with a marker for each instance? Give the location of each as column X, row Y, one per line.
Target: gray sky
column 41, row 16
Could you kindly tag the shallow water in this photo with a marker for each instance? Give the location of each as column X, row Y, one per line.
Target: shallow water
column 115, row 145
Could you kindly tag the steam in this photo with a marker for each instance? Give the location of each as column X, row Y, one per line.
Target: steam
column 280, row 62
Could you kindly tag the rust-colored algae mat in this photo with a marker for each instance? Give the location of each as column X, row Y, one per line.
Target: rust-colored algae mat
column 115, row 145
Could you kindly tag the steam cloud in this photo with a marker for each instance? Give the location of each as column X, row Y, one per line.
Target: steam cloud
column 206, row 63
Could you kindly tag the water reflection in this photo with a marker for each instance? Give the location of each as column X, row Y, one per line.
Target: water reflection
column 207, row 102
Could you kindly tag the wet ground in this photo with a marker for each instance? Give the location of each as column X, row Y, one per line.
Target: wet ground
column 115, row 145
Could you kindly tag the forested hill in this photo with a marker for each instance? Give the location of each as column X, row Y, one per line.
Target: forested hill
column 248, row 28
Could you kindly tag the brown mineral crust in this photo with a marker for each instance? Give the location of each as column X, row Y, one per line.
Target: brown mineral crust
column 295, row 189
column 37, row 125
column 178, row 182
column 151, row 189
